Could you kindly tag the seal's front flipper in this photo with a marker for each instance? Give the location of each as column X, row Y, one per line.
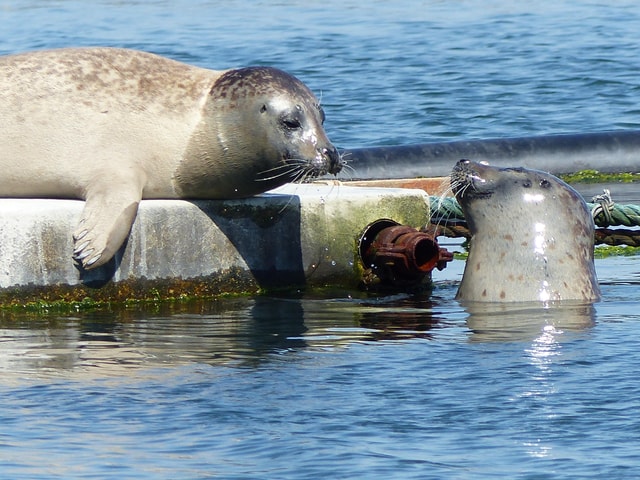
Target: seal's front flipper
column 106, row 221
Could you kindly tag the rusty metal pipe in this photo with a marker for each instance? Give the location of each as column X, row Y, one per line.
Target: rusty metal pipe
column 399, row 254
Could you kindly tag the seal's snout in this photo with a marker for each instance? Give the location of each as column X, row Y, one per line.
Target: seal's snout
column 327, row 160
column 460, row 176
column 471, row 180
column 334, row 159
column 462, row 166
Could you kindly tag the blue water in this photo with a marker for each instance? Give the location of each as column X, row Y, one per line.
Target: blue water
column 344, row 385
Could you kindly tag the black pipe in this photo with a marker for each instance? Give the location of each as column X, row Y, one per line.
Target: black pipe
column 616, row 151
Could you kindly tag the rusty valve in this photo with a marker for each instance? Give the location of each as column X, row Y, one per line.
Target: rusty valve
column 399, row 254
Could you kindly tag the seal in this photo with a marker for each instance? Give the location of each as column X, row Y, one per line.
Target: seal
column 532, row 236
column 113, row 126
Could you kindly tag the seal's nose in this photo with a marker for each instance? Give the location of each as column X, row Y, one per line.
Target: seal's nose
column 335, row 160
column 462, row 162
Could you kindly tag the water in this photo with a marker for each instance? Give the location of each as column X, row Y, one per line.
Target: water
column 345, row 385
column 388, row 72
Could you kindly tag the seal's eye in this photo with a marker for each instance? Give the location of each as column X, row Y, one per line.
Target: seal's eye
column 263, row 109
column 526, row 184
column 291, row 123
column 544, row 183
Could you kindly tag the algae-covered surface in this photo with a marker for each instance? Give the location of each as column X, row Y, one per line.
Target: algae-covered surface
column 594, row 176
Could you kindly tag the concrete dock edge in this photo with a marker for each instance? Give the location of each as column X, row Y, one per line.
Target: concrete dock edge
column 295, row 236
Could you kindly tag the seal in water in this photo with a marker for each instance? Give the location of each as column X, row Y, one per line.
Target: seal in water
column 112, row 126
column 531, row 236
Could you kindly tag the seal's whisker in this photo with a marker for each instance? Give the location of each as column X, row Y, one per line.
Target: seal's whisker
column 348, row 170
column 445, row 214
column 277, row 167
column 440, row 219
column 286, row 205
column 273, row 177
column 343, row 158
column 302, row 176
column 446, row 189
column 288, row 164
column 293, row 174
column 296, row 169
column 281, row 171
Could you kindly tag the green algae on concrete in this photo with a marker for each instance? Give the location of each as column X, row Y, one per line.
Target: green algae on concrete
column 79, row 296
column 333, row 228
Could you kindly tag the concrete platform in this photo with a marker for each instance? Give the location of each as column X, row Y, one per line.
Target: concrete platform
column 297, row 235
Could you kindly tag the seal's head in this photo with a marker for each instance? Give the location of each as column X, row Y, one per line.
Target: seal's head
column 267, row 127
column 531, row 236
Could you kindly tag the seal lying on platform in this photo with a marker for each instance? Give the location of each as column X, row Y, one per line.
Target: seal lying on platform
column 531, row 236
column 112, row 126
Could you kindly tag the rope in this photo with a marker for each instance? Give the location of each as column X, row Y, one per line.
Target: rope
column 447, row 216
column 621, row 236
column 603, row 206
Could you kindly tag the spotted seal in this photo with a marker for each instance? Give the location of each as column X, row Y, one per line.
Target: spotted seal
column 112, row 126
column 532, row 236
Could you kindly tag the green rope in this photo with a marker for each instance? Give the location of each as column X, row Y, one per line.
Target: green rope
column 447, row 210
column 627, row 215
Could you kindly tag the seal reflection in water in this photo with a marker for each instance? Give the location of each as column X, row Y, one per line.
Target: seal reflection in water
column 532, row 236
column 113, row 126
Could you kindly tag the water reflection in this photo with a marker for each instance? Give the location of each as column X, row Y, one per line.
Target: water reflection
column 398, row 317
column 491, row 322
column 538, row 338
column 544, row 355
column 241, row 332
column 113, row 342
column 247, row 332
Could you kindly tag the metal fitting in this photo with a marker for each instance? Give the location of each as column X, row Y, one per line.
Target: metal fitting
column 398, row 254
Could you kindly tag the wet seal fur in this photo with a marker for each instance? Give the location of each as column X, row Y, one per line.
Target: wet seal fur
column 112, row 126
column 532, row 236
